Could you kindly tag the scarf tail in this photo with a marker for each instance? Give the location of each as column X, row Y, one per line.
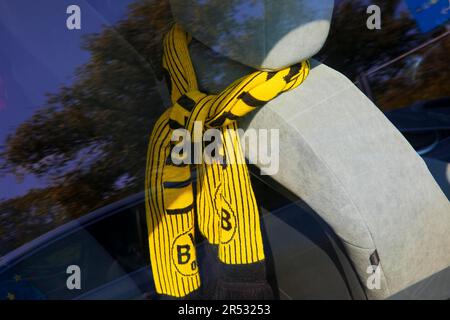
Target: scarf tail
column 224, row 204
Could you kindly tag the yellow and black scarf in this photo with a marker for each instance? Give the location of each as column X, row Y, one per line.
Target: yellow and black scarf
column 223, row 202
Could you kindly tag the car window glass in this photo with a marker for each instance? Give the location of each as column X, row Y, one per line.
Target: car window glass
column 104, row 252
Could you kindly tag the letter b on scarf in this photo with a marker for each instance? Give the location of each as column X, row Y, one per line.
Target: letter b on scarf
column 183, row 254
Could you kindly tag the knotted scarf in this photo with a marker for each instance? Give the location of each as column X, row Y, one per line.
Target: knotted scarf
column 214, row 195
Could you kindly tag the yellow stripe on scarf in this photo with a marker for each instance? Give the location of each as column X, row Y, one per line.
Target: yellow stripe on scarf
column 224, row 203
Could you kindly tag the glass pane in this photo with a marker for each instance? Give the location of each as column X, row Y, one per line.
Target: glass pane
column 420, row 76
column 76, row 109
column 104, row 252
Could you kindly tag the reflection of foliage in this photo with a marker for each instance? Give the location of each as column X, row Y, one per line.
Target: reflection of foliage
column 427, row 80
column 351, row 48
column 90, row 140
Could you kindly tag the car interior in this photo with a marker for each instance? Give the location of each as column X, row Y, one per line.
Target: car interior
column 359, row 208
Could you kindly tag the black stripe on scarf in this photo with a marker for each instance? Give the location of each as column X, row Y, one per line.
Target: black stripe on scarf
column 224, row 116
column 251, row 100
column 186, row 102
column 180, row 211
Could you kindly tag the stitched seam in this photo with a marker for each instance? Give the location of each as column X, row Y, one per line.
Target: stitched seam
column 348, row 86
column 354, row 245
column 380, row 265
column 345, row 193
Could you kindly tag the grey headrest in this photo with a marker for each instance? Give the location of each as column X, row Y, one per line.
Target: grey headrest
column 262, row 34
